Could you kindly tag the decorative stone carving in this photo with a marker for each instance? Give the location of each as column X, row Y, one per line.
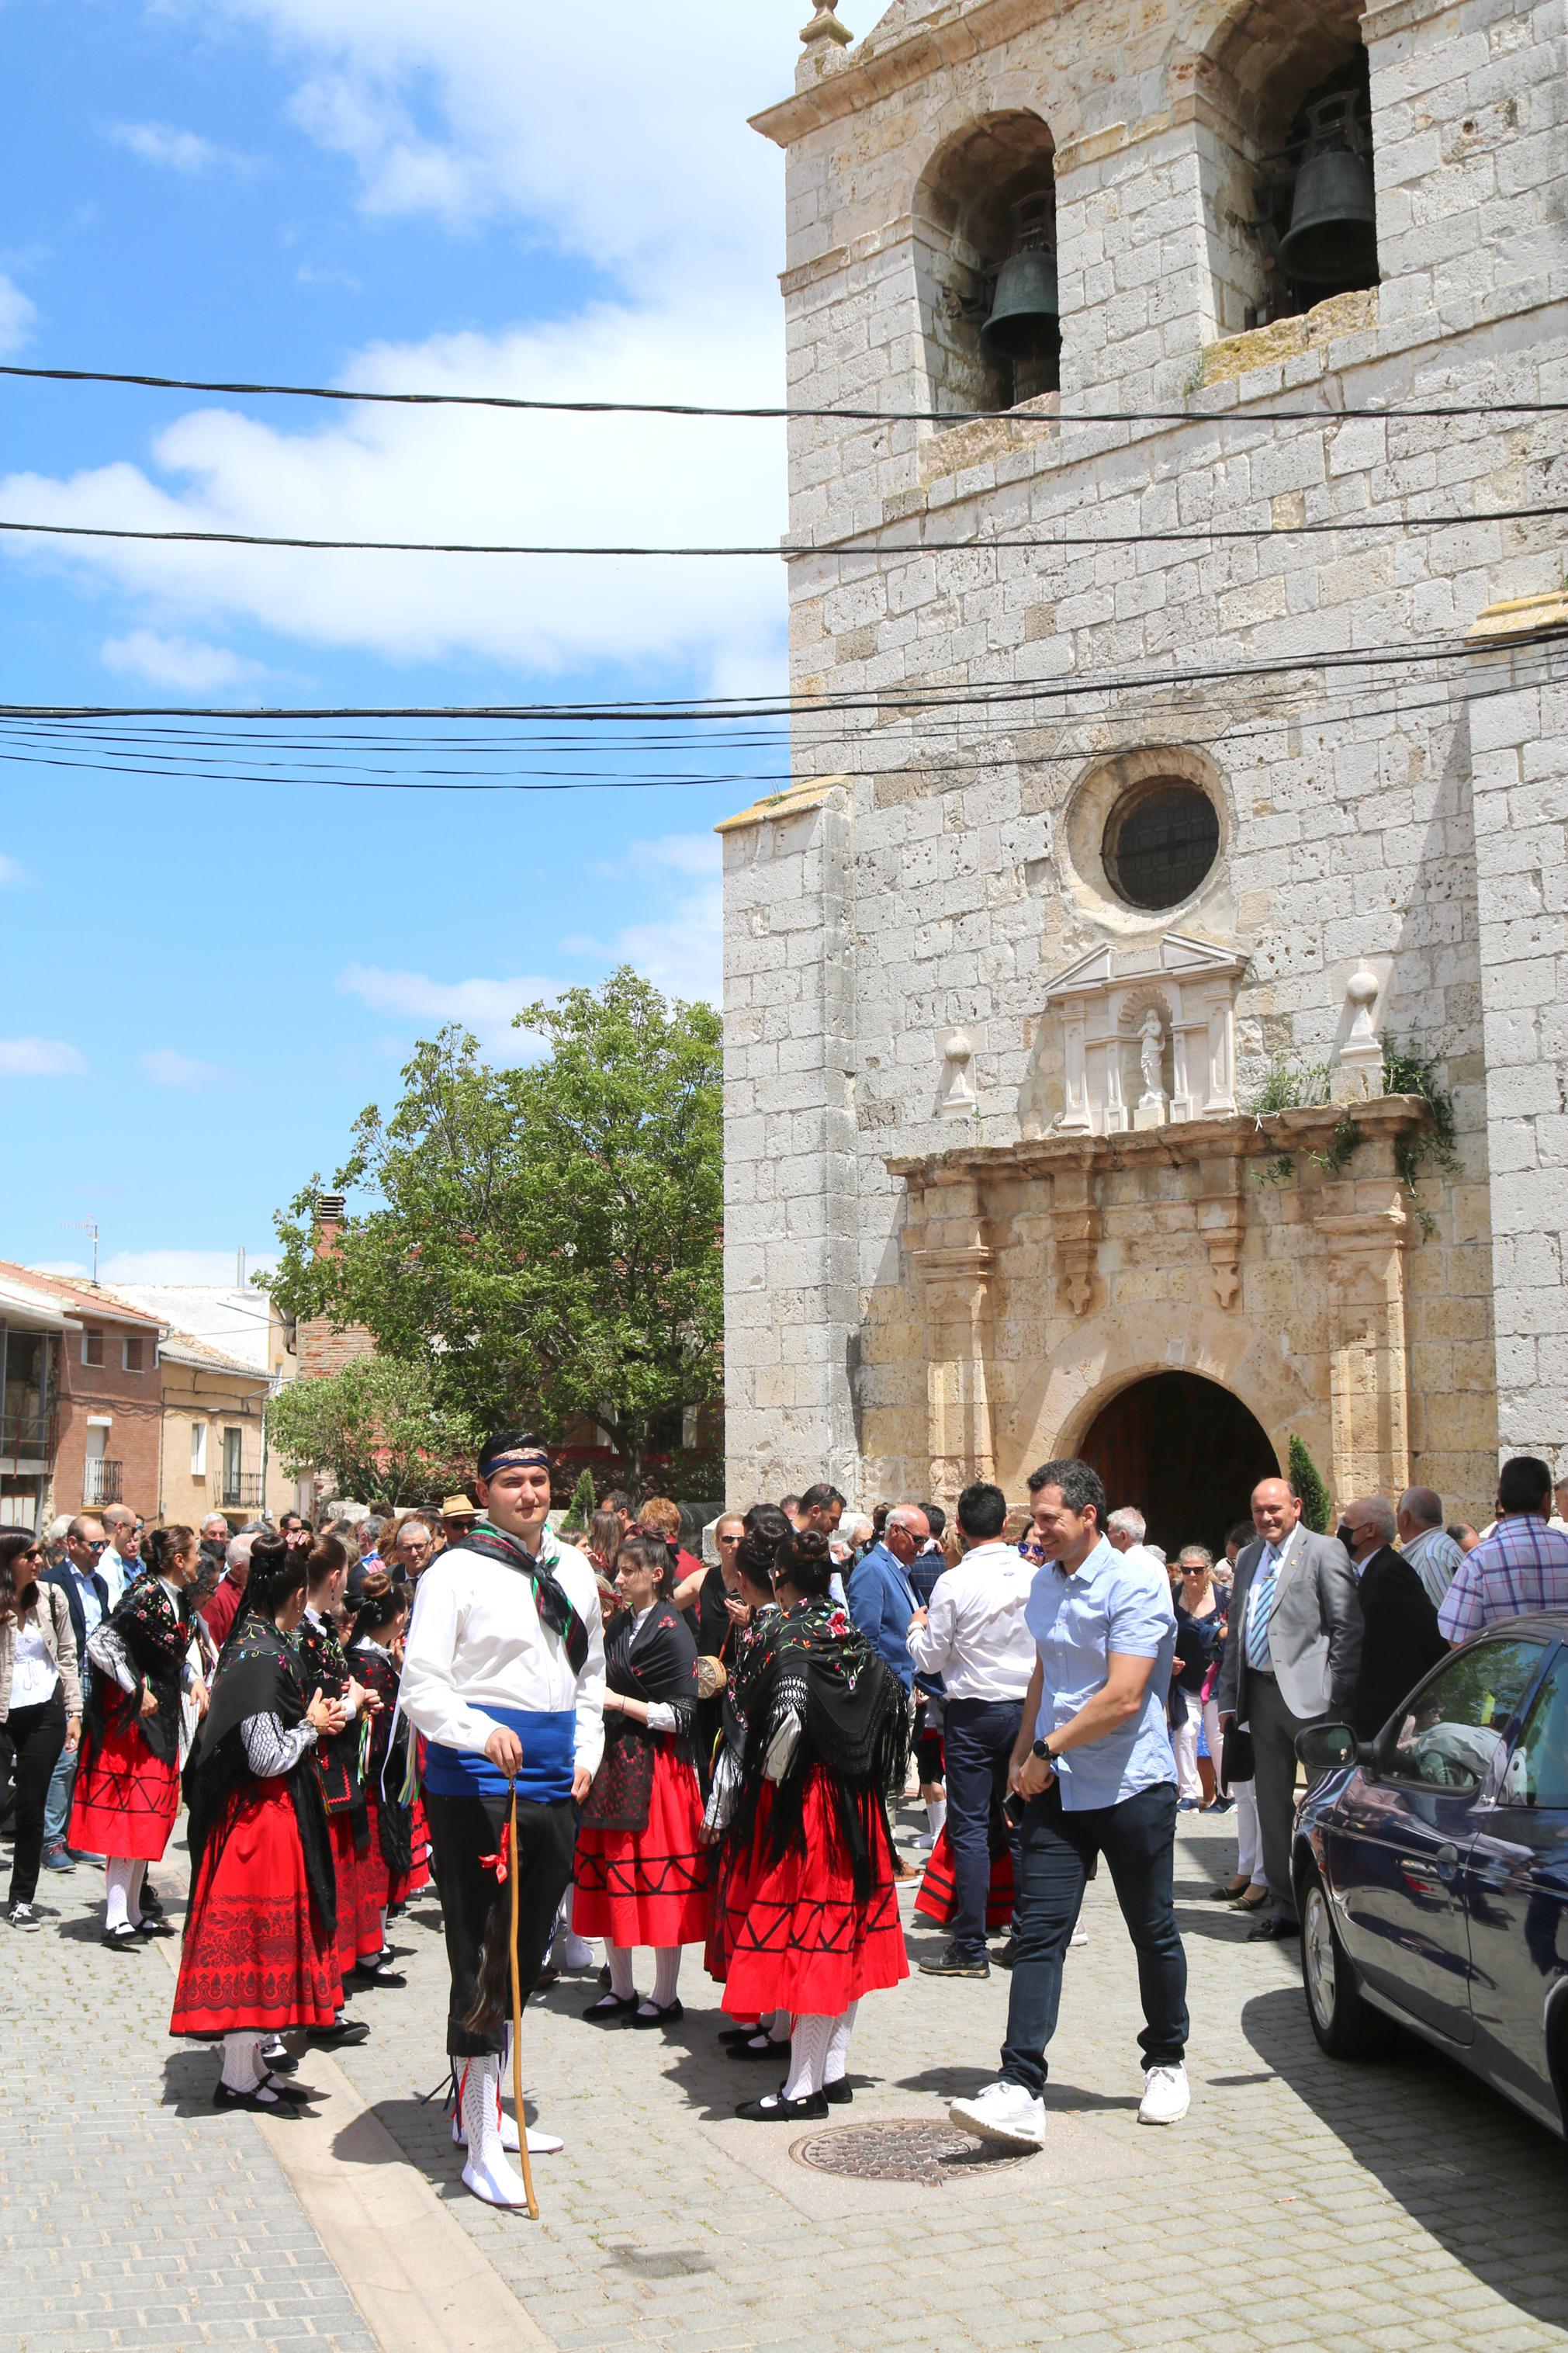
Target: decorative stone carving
column 958, row 1095
column 1358, row 1075
column 954, row 1260
column 1102, row 995
column 1220, row 1206
column 826, row 27
column 1077, row 1228
column 1368, row 1362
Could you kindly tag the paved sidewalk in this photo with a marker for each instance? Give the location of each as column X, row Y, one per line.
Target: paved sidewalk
column 1302, row 2203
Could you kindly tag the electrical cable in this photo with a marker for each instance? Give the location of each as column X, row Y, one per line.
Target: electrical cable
column 1205, row 535
column 1486, row 410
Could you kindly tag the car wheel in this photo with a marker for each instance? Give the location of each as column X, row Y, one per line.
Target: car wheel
column 1345, row 2023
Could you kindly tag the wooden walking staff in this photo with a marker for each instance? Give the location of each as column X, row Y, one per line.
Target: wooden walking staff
column 517, row 2027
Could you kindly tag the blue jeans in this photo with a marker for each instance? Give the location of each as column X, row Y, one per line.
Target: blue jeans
column 978, row 1747
column 1137, row 1839
column 57, row 1804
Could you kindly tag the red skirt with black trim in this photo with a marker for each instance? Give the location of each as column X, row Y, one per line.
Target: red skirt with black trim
column 421, row 1874
column 647, row 1886
column 938, row 1897
column 386, row 1888
column 807, row 1944
column 126, row 1800
column 735, row 1876
column 254, row 1959
column 359, row 1915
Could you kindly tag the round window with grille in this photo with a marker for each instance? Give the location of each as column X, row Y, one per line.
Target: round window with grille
column 1160, row 840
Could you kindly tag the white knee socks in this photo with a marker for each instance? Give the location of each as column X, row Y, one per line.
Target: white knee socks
column 666, row 1974
column 122, row 1877
column 242, row 2064
column 807, row 2055
column 489, row 2172
column 936, row 1815
column 620, row 1960
column 837, row 2061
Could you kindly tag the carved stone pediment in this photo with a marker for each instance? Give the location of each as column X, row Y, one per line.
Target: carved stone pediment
column 1148, row 1034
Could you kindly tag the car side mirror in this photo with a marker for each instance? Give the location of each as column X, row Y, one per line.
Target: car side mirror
column 1325, row 1748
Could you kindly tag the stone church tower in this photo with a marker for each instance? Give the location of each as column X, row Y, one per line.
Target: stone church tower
column 1141, row 879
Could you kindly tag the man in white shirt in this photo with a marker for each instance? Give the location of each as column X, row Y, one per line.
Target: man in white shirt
column 504, row 1674
column 119, row 1565
column 973, row 1635
column 1425, row 1542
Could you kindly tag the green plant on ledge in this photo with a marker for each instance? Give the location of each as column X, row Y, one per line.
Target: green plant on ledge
column 1306, row 1480
column 1287, row 1085
column 1407, row 1071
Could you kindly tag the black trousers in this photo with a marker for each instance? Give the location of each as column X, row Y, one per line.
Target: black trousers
column 35, row 1737
column 462, row 1830
column 979, row 1741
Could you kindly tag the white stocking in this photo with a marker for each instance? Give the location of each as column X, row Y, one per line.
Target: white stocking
column 781, row 2025
column 381, row 1916
column 666, row 1974
column 936, row 1815
column 807, row 2055
column 837, row 2062
column 119, row 1877
column 620, row 1959
column 242, row 2068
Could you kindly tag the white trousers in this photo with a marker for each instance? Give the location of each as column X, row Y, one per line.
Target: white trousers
column 1185, row 1746
column 1248, row 1837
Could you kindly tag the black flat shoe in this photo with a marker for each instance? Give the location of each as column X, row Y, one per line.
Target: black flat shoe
column 668, row 2016
column 278, row 2062
column 122, row 1940
column 389, row 1978
column 224, row 2098
column 1227, row 1895
column 153, row 1925
column 773, row 2108
column 837, row 2095
column 767, row 2050
column 338, row 2036
column 734, row 2034
column 610, row 2011
column 1273, row 1932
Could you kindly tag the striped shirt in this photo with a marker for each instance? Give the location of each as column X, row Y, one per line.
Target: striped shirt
column 1521, row 1566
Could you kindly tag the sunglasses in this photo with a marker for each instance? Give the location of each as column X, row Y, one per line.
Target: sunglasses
column 729, row 1540
column 88, row 1546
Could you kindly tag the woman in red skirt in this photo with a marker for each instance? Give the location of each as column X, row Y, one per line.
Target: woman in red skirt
column 641, row 1873
column 374, row 1649
column 128, row 1783
column 260, row 1952
column 735, row 1866
column 827, row 1738
column 361, row 1948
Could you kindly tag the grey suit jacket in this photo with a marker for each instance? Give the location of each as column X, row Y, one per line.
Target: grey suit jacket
column 1314, row 1633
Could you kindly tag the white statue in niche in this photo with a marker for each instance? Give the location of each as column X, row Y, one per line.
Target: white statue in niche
column 1153, row 1105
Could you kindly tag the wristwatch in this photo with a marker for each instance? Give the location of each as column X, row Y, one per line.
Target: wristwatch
column 1045, row 1752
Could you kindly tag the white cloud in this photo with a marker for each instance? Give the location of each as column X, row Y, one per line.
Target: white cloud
column 39, row 1058
column 179, row 1266
column 12, row 872
column 17, row 314
column 187, row 663
column 681, row 948
column 172, row 150
column 69, row 1270
column 484, row 1006
column 165, row 1068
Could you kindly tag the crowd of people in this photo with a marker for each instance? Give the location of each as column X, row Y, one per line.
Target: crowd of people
column 586, row 1736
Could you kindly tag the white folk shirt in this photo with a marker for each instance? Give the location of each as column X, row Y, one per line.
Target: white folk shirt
column 975, row 1637
column 477, row 1656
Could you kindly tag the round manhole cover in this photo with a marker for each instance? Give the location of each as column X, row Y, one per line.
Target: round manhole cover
column 904, row 2148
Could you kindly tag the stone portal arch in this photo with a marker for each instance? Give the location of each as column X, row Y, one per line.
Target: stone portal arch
column 1186, row 1452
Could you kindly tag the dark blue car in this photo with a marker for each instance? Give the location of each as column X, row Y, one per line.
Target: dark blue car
column 1432, row 1869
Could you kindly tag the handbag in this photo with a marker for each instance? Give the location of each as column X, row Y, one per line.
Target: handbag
column 1236, row 1762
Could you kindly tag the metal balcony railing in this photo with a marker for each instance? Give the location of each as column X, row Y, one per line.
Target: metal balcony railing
column 241, row 1490
column 100, row 1481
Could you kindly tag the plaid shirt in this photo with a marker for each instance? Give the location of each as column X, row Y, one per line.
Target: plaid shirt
column 1521, row 1566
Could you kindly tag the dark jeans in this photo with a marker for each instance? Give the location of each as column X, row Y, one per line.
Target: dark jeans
column 978, row 1747
column 1137, row 1839
column 35, row 1737
column 462, row 1830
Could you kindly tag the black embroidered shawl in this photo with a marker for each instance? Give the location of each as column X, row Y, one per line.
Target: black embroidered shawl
column 657, row 1662
column 323, row 1667
column 385, row 1755
column 258, row 1675
column 156, row 1635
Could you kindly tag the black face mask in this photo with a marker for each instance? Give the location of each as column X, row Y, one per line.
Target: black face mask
column 1347, row 1536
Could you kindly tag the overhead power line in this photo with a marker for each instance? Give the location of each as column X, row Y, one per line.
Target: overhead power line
column 1320, row 416
column 1204, row 534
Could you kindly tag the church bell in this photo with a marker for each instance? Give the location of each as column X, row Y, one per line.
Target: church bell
column 1026, row 318
column 1333, row 236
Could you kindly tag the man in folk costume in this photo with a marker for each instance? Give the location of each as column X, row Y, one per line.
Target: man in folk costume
column 504, row 1674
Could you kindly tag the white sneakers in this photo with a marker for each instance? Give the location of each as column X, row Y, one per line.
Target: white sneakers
column 1166, row 2098
column 1013, row 2118
column 1004, row 2113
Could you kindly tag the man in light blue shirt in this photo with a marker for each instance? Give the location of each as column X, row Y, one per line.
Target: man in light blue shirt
column 1094, row 1771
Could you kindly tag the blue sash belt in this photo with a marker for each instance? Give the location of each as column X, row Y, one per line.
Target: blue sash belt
column 549, row 1743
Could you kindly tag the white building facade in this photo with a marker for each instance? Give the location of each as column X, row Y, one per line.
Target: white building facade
column 1139, row 883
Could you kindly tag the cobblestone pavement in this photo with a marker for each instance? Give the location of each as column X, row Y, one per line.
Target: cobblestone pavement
column 1301, row 2204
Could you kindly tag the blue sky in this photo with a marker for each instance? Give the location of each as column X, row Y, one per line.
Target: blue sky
column 204, row 982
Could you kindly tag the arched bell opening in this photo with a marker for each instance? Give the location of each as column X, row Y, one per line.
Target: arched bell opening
column 1184, row 1451
column 985, row 227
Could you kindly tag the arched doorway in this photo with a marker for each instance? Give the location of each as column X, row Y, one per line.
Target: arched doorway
column 1185, row 1451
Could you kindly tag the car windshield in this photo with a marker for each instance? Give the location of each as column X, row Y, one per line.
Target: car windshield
column 1454, row 1731
column 1538, row 1770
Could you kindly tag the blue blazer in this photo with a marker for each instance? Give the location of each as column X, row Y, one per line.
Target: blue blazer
column 882, row 1603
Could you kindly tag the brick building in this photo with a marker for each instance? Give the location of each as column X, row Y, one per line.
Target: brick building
column 103, row 1384
column 1116, row 879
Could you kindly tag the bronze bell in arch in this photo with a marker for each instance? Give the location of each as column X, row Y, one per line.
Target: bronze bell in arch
column 1333, row 236
column 1025, row 316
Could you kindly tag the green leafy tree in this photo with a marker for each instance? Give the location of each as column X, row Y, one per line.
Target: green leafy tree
column 545, row 1241
column 1308, row 1481
column 377, row 1428
column 584, row 1503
